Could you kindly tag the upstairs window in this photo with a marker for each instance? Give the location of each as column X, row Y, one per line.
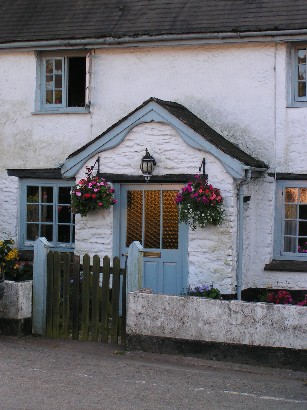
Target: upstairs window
column 292, row 220
column 64, row 83
column 299, row 76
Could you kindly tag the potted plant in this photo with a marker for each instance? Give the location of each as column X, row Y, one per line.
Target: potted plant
column 200, row 203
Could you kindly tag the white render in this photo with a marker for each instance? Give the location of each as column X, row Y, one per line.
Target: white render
column 211, row 251
column 17, row 300
column 240, row 90
column 221, row 321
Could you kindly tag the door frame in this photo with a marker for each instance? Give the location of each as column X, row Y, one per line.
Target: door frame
column 118, row 221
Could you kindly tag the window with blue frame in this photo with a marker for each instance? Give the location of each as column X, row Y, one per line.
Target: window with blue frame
column 291, row 220
column 64, row 82
column 46, row 212
column 299, row 75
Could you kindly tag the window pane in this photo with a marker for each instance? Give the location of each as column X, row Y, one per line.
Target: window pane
column 49, row 97
column 303, row 229
column 47, row 195
column 152, row 219
column 49, row 82
column 64, row 195
column 134, row 216
column 64, row 214
column 49, row 66
column 33, row 194
column 76, row 81
column 303, row 195
column 47, row 213
column 290, row 211
column 32, row 232
column 58, row 81
column 303, row 212
column 302, row 245
column 301, row 89
column 58, row 65
column 289, row 244
column 58, row 97
column 301, row 54
column 46, row 231
column 291, row 194
column 290, row 228
column 64, row 233
column 170, row 221
column 32, row 213
column 301, row 75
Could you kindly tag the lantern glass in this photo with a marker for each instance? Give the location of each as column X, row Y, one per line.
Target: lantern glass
column 147, row 164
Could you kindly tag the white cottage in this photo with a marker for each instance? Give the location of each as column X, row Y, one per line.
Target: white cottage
column 215, row 80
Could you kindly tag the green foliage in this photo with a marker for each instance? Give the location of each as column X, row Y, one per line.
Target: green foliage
column 11, row 267
column 205, row 291
column 200, row 204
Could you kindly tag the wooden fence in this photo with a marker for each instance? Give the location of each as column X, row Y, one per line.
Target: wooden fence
column 85, row 302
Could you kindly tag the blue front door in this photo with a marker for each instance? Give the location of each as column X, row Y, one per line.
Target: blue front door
column 149, row 215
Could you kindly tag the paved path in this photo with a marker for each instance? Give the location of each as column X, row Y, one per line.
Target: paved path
column 37, row 373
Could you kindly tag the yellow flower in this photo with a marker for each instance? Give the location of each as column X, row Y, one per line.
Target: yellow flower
column 1, row 243
column 13, row 254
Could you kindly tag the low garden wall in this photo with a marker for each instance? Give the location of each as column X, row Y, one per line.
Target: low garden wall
column 16, row 308
column 226, row 322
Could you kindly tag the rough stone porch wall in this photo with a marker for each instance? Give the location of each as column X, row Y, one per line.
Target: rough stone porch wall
column 208, row 320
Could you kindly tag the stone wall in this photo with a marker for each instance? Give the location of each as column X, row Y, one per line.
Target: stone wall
column 207, row 320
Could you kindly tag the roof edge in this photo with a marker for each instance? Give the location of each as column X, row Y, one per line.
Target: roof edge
column 164, row 39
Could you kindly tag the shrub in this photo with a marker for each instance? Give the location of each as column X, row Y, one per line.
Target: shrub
column 205, row 291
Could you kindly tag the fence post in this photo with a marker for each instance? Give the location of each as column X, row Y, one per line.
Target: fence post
column 134, row 267
column 41, row 248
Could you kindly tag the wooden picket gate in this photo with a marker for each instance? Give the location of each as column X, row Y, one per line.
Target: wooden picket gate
column 85, row 302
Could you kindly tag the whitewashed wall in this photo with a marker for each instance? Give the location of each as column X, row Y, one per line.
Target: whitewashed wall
column 212, row 250
column 221, row 321
column 238, row 89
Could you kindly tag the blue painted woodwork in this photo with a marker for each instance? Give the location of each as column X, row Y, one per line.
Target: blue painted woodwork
column 166, row 274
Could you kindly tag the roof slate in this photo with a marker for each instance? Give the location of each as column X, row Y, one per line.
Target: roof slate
column 33, row 20
column 197, row 125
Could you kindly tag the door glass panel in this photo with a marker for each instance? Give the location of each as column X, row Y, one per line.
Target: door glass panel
column 152, row 219
column 134, row 216
column 170, row 221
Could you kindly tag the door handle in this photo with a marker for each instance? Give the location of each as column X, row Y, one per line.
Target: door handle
column 152, row 254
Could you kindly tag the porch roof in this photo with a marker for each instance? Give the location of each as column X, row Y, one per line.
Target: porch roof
column 192, row 129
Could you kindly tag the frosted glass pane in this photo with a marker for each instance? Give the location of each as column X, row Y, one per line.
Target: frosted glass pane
column 152, row 219
column 134, row 216
column 170, row 221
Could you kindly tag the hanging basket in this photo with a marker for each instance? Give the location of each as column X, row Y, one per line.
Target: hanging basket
column 200, row 204
column 90, row 194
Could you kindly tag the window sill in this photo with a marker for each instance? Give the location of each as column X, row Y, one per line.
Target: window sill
column 286, row 266
column 81, row 111
column 297, row 104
